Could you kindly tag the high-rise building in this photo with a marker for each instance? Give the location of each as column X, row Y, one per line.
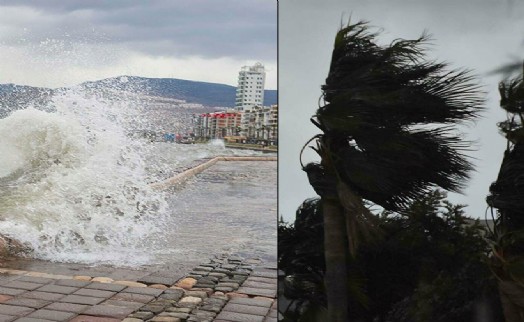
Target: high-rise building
column 250, row 90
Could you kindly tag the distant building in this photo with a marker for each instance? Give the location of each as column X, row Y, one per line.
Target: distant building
column 217, row 124
column 250, row 90
column 260, row 123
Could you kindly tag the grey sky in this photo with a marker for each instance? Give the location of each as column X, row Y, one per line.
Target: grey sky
column 480, row 35
column 55, row 43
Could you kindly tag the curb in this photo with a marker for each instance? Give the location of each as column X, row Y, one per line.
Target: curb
column 181, row 177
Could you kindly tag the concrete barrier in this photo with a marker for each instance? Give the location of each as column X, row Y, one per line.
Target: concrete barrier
column 181, row 177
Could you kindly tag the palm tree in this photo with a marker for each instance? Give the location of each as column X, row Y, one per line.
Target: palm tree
column 387, row 137
column 507, row 197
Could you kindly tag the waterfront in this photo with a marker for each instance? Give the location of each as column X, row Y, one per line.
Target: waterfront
column 75, row 187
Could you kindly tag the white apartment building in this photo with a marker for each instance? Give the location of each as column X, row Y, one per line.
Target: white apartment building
column 250, row 90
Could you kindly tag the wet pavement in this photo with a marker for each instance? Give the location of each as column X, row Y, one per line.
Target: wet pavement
column 224, row 288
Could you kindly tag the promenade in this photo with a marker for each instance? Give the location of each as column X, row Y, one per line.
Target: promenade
column 224, row 288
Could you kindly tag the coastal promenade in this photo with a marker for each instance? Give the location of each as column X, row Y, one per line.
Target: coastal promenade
column 224, row 288
column 227, row 286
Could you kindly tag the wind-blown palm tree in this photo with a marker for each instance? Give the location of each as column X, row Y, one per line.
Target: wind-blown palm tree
column 373, row 146
column 507, row 197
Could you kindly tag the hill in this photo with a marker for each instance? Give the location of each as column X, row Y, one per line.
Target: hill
column 207, row 94
column 204, row 93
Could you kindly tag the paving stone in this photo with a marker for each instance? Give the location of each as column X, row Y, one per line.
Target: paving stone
column 257, row 291
column 273, row 313
column 50, row 288
column 4, row 298
column 94, row 293
column 202, row 269
column 234, row 279
column 144, row 290
column 132, row 297
column 101, row 279
column 67, row 307
column 254, row 284
column 171, row 296
column 152, row 308
column 186, row 283
column 198, row 285
column 203, row 314
column 33, row 303
column 239, row 317
column 253, row 302
column 37, row 295
column 229, row 266
column 263, row 280
column 212, row 265
column 214, row 300
column 195, row 276
column 79, row 299
column 165, row 319
column 14, row 310
column 6, row 278
column 89, row 318
column 208, row 290
column 179, row 309
column 200, row 294
column 152, row 279
column 132, row 320
column 133, row 305
column 221, row 270
column 6, row 318
column 22, row 285
column 130, row 283
column 175, row 290
column 11, row 291
column 73, row 283
column 211, row 307
column 232, row 295
column 179, row 315
column 228, row 284
column 224, row 289
column 52, row 315
column 208, row 279
column 106, row 287
column 270, row 319
column 25, row 319
column 159, row 286
column 219, row 275
column 111, row 311
column 268, row 273
column 32, row 279
column 191, row 299
column 143, row 315
column 247, row 309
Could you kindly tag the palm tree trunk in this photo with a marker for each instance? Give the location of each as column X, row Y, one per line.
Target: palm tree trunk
column 512, row 299
column 335, row 252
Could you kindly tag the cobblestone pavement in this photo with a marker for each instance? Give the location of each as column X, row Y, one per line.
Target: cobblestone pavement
column 225, row 288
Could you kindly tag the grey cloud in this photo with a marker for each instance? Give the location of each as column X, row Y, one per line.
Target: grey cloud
column 210, row 29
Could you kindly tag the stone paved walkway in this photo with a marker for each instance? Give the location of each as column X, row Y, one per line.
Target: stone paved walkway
column 226, row 288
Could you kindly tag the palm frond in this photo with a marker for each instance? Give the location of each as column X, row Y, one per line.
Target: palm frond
column 375, row 95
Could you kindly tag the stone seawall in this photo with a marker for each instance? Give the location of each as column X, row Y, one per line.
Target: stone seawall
column 181, row 177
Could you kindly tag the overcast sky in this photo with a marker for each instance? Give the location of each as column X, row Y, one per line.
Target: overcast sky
column 56, row 43
column 480, row 35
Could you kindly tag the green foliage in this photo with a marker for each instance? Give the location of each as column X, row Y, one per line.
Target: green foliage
column 375, row 97
column 507, row 192
column 429, row 265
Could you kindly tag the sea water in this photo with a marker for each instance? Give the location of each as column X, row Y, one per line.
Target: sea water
column 74, row 184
